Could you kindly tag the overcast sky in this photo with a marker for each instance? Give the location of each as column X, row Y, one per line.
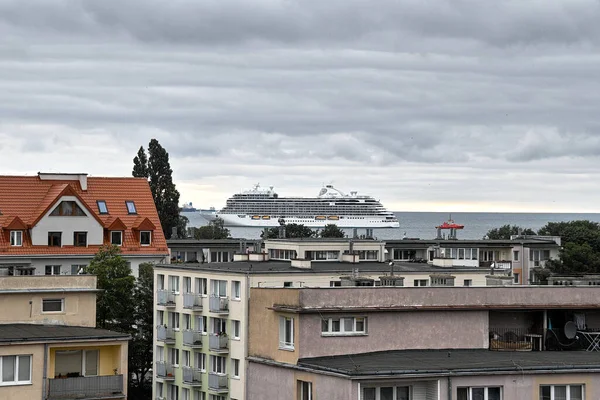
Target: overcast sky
column 438, row 105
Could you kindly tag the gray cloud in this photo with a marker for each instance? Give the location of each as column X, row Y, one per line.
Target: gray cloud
column 463, row 103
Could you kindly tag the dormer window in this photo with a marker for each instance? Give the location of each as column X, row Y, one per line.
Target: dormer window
column 102, row 208
column 130, row 207
column 68, row 209
column 16, row 238
column 116, row 238
column 145, row 238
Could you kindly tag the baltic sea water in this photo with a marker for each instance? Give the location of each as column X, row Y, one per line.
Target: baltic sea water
column 422, row 224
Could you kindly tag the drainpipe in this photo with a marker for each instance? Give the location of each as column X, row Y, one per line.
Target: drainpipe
column 247, row 335
column 449, row 388
column 44, row 373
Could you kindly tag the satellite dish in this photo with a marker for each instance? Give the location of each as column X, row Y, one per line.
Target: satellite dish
column 570, row 330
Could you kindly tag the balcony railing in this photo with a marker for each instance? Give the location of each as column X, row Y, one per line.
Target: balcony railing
column 218, row 382
column 501, row 264
column 218, row 343
column 86, row 387
column 165, row 370
column 192, row 338
column 165, row 298
column 515, row 339
column 219, row 305
column 192, row 376
column 165, row 334
column 192, row 301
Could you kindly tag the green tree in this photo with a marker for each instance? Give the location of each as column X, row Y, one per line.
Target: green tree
column 114, row 304
column 214, row 230
column 506, row 231
column 140, row 164
column 182, row 226
column 292, row 231
column 332, row 231
column 140, row 347
column 160, row 175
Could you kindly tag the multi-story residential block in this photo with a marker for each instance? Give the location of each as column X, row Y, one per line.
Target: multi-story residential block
column 201, row 312
column 435, row 343
column 49, row 346
column 53, row 224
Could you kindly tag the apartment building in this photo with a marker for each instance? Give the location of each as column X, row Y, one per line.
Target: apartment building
column 49, row 346
column 201, row 309
column 54, row 224
column 434, row 343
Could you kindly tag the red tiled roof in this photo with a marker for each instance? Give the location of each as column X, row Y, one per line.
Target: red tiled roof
column 26, row 199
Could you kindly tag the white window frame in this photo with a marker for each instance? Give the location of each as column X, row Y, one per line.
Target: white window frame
column 149, row 238
column 342, row 324
column 236, row 290
column 62, row 306
column 200, row 286
column 16, row 381
column 485, row 391
column 187, row 321
column 202, row 321
column 16, row 238
column 568, row 389
column 236, row 328
column 283, row 329
column 235, row 368
column 301, row 389
column 418, row 282
column 186, row 358
column 218, row 365
column 173, row 320
column 218, row 288
column 200, row 361
column 174, row 284
column 377, row 390
column 187, row 284
column 120, row 238
column 185, row 394
column 54, row 270
column 173, row 356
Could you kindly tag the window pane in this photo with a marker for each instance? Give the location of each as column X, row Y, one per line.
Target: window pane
column 348, row 324
column 576, row 392
column 544, row 392
column 360, row 324
column 335, row 325
column 477, row 394
column 494, row 393
column 25, row 368
column 560, row 393
column 324, row 325
column 369, row 394
column 402, row 393
column 386, row 393
column 91, row 363
column 52, row 305
column 462, row 394
column 8, row 368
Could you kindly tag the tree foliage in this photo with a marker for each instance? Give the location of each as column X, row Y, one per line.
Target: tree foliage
column 581, row 246
column 214, row 230
column 157, row 169
column 140, row 347
column 292, row 231
column 332, row 231
column 506, row 231
column 114, row 304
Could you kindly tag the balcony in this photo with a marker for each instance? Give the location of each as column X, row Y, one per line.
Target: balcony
column 218, row 382
column 165, row 370
column 192, row 339
column 219, row 305
column 500, row 264
column 89, row 387
column 165, row 298
column 165, row 334
column 192, row 301
column 192, row 377
column 218, row 343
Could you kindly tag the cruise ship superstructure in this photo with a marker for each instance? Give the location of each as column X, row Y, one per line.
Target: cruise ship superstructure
column 264, row 208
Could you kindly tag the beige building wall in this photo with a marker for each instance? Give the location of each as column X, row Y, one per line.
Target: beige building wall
column 27, row 391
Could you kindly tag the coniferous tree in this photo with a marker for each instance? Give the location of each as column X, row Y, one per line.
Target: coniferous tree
column 140, row 164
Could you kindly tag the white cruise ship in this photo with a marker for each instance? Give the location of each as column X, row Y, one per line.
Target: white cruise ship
column 264, row 208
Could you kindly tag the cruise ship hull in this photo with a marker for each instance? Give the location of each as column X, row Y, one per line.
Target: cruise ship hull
column 312, row 222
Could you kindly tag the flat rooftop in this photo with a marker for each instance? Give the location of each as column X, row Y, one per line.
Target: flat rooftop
column 441, row 362
column 23, row 333
column 268, row 267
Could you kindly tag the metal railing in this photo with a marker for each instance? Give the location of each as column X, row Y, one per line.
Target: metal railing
column 192, row 338
column 83, row 387
column 165, row 370
column 192, row 301
column 515, row 339
column 165, row 298
column 165, row 334
column 218, row 304
column 218, row 382
column 218, row 342
column 192, row 376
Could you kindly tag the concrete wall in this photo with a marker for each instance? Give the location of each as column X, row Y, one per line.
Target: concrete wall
column 398, row 331
column 40, row 282
column 67, row 225
column 456, row 297
column 267, row 382
column 29, row 391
